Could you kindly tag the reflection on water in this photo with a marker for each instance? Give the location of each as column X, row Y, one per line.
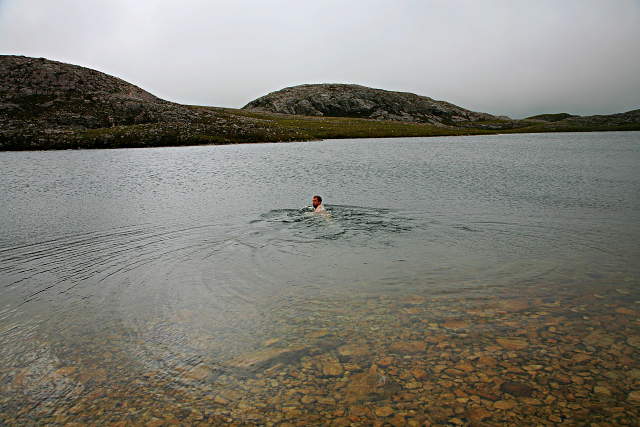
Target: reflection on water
column 450, row 282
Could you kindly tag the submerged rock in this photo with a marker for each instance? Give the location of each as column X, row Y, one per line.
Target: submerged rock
column 369, row 386
column 384, row 411
column 265, row 357
column 408, row 347
column 512, row 343
column 353, row 350
column 198, row 373
column 517, row 389
column 329, row 366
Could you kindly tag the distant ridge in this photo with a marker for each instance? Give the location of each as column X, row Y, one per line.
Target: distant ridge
column 554, row 117
column 349, row 100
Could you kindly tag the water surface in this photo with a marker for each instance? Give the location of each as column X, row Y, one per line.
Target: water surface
column 116, row 263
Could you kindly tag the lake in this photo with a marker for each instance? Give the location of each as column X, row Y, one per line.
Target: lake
column 458, row 279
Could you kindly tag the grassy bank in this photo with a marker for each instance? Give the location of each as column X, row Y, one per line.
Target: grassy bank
column 344, row 127
column 234, row 126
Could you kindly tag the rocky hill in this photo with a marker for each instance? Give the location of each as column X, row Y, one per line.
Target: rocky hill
column 564, row 122
column 49, row 104
column 620, row 119
column 348, row 100
column 551, row 117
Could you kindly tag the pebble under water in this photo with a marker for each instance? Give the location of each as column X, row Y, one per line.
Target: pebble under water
column 489, row 280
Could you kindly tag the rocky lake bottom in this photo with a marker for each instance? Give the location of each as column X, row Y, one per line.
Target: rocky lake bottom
column 543, row 355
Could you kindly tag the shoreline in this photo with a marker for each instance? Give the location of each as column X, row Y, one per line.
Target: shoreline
column 143, row 146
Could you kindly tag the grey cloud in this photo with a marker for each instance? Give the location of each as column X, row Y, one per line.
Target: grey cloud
column 503, row 57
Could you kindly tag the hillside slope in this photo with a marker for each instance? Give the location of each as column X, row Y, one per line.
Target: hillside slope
column 348, row 100
column 49, row 104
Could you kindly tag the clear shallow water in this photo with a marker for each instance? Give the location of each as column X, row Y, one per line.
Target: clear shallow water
column 171, row 258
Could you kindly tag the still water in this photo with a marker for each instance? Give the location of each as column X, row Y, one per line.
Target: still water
column 151, row 272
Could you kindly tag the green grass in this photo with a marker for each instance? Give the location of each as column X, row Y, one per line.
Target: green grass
column 272, row 127
column 575, row 127
column 345, row 127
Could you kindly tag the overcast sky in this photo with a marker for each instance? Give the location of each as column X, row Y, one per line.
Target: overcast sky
column 509, row 57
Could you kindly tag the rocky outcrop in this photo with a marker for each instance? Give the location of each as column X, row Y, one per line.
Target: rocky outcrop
column 58, row 94
column 552, row 117
column 619, row 119
column 50, row 104
column 348, row 100
column 628, row 118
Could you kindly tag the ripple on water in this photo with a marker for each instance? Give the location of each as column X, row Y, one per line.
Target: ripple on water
column 349, row 224
column 154, row 274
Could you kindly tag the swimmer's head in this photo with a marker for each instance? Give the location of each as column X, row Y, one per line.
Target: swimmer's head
column 316, row 201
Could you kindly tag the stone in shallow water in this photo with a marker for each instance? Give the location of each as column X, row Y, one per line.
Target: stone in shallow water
column 271, row 341
column 634, row 397
column 634, row 373
column 338, row 422
column 419, row 373
column 67, row 370
column 487, row 361
column 626, row 311
column 319, row 333
column 580, row 357
column 329, row 366
column 599, row 339
column 634, row 341
column 514, row 305
column 387, row 361
column 220, row 400
column 384, row 411
column 369, row 386
column 155, row 423
column 562, row 378
column 198, row 373
column 577, row 379
column 505, row 404
column 353, row 350
column 260, row 358
column 408, row 347
column 359, row 411
column 464, row 366
column 512, row 343
column 98, row 375
column 414, row 300
column 602, row 390
column 456, row 324
column 478, row 414
column 517, row 389
column 532, row 368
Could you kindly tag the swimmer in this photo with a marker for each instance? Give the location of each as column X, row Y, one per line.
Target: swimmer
column 316, row 202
